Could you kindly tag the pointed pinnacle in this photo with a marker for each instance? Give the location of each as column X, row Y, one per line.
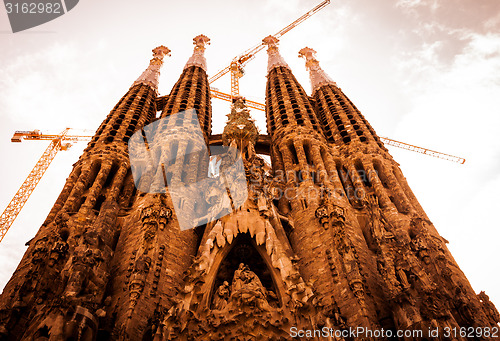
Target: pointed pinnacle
column 310, row 57
column 161, row 51
column 201, row 40
column 151, row 74
column 317, row 76
column 307, row 53
column 270, row 41
column 198, row 58
column 275, row 58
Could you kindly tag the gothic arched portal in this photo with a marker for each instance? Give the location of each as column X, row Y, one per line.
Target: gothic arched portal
column 245, row 251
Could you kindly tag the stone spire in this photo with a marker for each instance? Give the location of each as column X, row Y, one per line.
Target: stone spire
column 198, row 58
column 316, row 74
column 240, row 130
column 275, row 58
column 152, row 73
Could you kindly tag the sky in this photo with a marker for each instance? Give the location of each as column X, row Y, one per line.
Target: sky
column 425, row 72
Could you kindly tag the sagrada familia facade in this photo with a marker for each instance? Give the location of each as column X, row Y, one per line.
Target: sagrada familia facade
column 329, row 240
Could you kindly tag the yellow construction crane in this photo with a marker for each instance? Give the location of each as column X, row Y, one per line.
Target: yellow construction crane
column 422, row 150
column 227, row 97
column 62, row 141
column 238, row 62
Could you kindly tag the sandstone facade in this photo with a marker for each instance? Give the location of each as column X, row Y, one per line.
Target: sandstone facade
column 330, row 236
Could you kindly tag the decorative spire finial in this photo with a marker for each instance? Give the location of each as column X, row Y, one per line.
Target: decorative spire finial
column 316, row 74
column 240, row 130
column 275, row 58
column 151, row 74
column 198, row 57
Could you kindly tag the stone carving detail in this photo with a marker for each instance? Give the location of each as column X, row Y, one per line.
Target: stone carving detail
column 157, row 272
column 246, row 289
column 464, row 304
column 26, row 290
column 85, row 275
column 138, row 280
column 40, row 251
column 489, row 307
column 380, row 229
column 328, row 213
column 58, row 252
column 323, row 216
column 154, row 217
column 221, row 296
column 82, row 326
column 349, row 260
column 130, row 267
column 331, row 261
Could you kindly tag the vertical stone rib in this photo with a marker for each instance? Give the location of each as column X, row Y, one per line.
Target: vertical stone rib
column 118, row 182
column 318, row 163
column 78, row 188
column 301, row 156
column 179, row 164
column 398, row 192
column 356, row 181
column 288, row 165
column 331, row 168
column 277, row 160
column 96, row 188
column 378, row 187
column 65, row 194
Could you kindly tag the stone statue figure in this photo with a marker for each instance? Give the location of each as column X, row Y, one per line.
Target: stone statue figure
column 221, row 296
column 245, row 278
column 247, row 288
column 322, row 215
column 57, row 252
column 83, row 265
column 402, row 267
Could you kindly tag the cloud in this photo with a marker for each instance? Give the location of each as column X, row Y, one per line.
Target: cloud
column 455, row 110
column 413, row 4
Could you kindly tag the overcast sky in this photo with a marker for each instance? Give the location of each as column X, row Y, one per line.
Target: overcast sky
column 425, row 72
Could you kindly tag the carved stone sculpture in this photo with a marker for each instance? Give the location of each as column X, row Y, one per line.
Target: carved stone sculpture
column 221, row 296
column 83, row 277
column 247, row 289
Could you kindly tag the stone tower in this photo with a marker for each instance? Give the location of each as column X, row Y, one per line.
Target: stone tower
column 328, row 241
